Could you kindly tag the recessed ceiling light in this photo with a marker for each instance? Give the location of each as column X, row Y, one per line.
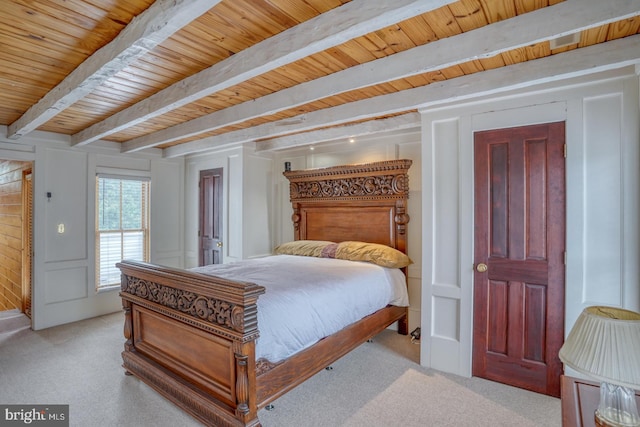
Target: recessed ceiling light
column 291, row 121
column 564, row 41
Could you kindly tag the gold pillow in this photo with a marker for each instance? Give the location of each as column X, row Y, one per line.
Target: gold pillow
column 302, row 247
column 382, row 255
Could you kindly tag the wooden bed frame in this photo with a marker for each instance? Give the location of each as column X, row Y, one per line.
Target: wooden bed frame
column 191, row 337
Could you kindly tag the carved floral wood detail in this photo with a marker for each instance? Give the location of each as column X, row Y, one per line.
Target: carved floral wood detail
column 372, row 180
column 354, row 187
column 215, row 311
column 263, row 366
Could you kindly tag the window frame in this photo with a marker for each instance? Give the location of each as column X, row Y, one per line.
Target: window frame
column 144, row 221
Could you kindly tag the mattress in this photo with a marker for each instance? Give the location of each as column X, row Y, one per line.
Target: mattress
column 309, row 298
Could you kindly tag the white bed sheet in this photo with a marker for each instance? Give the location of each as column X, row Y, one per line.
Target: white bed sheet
column 309, row 298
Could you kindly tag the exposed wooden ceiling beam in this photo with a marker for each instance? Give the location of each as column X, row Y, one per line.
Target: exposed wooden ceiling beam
column 543, row 24
column 329, row 29
column 405, row 121
column 597, row 58
column 162, row 19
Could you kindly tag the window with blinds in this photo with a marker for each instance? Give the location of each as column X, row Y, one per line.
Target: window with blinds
column 122, row 225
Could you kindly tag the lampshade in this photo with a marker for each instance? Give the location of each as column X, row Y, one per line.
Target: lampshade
column 604, row 344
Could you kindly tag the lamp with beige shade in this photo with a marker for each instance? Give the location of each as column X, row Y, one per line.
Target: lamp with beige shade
column 604, row 344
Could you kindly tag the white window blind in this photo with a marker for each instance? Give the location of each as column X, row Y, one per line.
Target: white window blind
column 122, row 224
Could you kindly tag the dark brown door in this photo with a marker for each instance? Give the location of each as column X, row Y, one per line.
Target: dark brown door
column 519, row 256
column 210, row 216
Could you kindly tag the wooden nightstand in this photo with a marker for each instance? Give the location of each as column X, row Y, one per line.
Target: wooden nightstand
column 580, row 400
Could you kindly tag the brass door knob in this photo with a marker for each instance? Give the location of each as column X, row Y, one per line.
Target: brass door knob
column 219, row 244
column 482, row 267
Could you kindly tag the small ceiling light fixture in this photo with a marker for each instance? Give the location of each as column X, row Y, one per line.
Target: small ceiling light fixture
column 292, row 120
column 352, row 140
column 312, row 148
column 563, row 41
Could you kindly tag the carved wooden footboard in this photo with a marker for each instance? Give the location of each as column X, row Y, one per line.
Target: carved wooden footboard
column 192, row 337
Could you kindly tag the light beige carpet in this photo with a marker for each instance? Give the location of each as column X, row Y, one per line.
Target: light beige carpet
column 13, row 321
column 435, row 400
column 379, row 384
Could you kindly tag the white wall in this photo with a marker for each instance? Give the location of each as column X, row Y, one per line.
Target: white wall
column 247, row 198
column 193, row 166
column 167, row 212
column 64, row 263
column 258, row 205
column 603, row 159
column 398, row 145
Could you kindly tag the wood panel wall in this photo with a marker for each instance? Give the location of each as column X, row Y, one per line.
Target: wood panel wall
column 11, row 240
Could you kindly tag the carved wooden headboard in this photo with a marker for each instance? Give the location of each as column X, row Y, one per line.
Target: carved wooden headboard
column 365, row 202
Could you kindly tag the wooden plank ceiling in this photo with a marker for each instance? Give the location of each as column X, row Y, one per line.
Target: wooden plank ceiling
column 188, row 75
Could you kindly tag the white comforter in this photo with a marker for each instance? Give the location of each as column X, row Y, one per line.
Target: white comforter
column 309, row 298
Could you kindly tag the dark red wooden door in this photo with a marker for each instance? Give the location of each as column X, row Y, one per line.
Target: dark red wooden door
column 519, row 256
column 210, row 216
